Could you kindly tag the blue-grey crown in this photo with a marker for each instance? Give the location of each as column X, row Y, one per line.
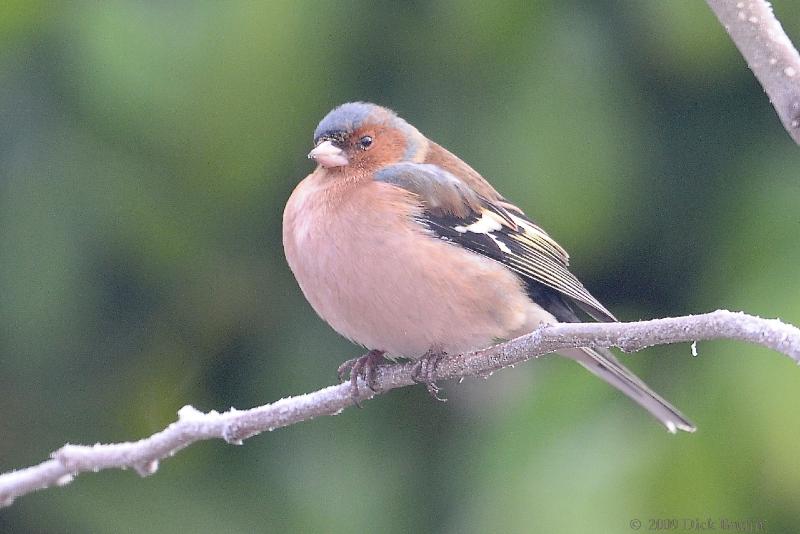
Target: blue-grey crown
column 349, row 117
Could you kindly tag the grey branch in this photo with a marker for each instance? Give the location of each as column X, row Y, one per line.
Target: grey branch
column 768, row 51
column 236, row 425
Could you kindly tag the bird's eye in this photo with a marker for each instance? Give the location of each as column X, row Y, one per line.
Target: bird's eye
column 365, row 142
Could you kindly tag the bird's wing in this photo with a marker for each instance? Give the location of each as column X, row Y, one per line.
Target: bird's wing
column 496, row 229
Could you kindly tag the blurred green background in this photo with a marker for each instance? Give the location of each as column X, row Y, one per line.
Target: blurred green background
column 147, row 150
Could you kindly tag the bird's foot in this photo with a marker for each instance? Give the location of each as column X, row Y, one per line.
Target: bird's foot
column 424, row 372
column 365, row 367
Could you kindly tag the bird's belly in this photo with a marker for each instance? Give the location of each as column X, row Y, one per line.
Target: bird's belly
column 400, row 292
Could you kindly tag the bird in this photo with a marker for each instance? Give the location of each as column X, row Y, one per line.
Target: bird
column 404, row 249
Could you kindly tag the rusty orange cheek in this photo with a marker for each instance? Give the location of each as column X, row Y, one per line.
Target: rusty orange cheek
column 388, row 147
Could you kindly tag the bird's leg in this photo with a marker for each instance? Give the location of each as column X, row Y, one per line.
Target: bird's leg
column 425, row 369
column 365, row 367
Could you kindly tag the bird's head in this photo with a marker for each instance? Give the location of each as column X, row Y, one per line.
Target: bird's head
column 364, row 136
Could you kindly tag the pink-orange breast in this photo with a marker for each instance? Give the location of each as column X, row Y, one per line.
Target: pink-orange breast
column 381, row 280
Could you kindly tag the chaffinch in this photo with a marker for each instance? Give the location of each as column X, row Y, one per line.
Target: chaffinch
column 405, row 249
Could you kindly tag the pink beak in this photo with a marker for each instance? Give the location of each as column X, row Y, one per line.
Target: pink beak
column 328, row 155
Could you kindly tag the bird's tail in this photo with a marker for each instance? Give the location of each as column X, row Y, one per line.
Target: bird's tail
column 603, row 364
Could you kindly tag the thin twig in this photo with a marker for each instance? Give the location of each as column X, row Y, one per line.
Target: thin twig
column 768, row 51
column 234, row 426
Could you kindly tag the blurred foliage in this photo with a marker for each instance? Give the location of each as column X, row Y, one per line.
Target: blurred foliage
column 146, row 152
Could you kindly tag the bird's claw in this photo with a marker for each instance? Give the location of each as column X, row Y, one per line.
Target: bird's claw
column 365, row 367
column 424, row 372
